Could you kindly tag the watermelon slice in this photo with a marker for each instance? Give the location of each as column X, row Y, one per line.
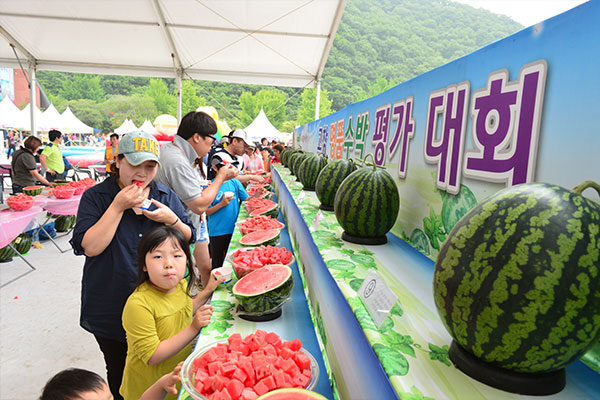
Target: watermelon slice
column 33, row 190
column 257, row 238
column 271, row 210
column 264, row 289
column 291, row 394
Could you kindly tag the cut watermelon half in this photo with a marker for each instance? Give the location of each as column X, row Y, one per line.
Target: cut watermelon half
column 264, row 289
column 258, row 238
column 291, row 394
column 271, row 210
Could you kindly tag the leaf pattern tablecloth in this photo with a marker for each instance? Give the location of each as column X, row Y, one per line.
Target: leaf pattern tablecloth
column 412, row 343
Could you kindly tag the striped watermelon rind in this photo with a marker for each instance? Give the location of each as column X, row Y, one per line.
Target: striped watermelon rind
column 309, row 170
column 517, row 282
column 261, row 238
column 291, row 394
column 297, row 160
column 366, row 205
column 271, row 296
column 329, row 180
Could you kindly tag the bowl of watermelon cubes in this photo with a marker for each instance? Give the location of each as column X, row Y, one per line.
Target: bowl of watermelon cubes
column 258, row 223
column 250, row 259
column 20, row 202
column 244, row 368
column 81, row 186
column 63, row 192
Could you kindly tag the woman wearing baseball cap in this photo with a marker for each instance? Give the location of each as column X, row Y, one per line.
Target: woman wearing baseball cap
column 111, row 220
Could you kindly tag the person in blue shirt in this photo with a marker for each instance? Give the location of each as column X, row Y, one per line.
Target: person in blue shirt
column 222, row 215
column 110, row 224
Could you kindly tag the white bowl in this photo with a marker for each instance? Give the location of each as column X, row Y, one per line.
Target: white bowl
column 225, row 271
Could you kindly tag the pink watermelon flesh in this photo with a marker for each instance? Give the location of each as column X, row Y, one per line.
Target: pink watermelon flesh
column 262, row 280
column 263, row 210
column 291, row 394
column 259, row 237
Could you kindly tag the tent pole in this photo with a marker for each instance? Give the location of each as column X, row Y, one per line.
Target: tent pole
column 32, row 86
column 178, row 81
column 318, row 99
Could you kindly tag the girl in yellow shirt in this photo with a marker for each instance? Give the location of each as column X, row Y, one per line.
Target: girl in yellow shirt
column 160, row 317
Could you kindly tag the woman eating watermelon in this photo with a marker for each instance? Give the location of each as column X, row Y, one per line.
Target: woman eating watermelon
column 110, row 224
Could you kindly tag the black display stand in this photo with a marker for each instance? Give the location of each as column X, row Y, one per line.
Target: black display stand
column 367, row 241
column 543, row 384
column 259, row 318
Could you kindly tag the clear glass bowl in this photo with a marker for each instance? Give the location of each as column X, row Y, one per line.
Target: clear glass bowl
column 187, row 371
column 245, row 231
column 240, row 270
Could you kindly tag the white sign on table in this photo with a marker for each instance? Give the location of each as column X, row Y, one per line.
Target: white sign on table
column 301, row 197
column 377, row 297
column 317, row 220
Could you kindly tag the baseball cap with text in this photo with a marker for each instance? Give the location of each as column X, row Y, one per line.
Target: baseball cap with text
column 138, row 146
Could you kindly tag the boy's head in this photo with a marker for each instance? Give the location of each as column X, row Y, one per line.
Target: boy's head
column 76, row 384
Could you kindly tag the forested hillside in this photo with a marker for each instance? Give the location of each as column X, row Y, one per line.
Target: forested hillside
column 380, row 43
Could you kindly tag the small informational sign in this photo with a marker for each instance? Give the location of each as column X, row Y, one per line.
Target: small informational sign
column 377, row 297
column 317, row 220
column 301, row 196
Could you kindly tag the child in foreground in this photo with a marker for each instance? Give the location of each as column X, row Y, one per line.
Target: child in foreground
column 79, row 384
column 160, row 317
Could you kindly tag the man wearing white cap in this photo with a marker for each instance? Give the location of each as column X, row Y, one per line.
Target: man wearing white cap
column 238, row 143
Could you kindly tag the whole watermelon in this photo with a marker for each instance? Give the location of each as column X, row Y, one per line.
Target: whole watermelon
column 297, row 161
column 517, row 281
column 22, row 243
column 64, row 222
column 366, row 205
column 6, row 254
column 290, row 157
column 329, row 180
column 310, row 169
column 284, row 154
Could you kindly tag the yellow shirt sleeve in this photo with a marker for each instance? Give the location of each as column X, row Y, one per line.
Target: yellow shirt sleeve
column 140, row 324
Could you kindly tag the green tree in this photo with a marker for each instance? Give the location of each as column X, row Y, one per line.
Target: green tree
column 306, row 109
column 379, row 86
column 82, row 86
column 164, row 101
column 137, row 107
column 190, row 100
column 270, row 100
column 89, row 112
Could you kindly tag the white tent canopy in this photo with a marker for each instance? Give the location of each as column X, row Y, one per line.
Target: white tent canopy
column 51, row 119
column 268, row 42
column 126, row 127
column 72, row 124
column 147, row 127
column 261, row 127
column 25, row 113
column 10, row 115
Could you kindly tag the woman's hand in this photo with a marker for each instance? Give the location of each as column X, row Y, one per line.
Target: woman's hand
column 162, row 214
column 128, row 197
column 202, row 317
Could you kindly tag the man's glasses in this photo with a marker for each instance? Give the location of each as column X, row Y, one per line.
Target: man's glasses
column 214, row 139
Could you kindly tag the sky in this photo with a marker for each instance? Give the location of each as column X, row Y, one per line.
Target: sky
column 526, row 12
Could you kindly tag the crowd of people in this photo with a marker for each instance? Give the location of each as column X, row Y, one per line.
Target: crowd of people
column 144, row 295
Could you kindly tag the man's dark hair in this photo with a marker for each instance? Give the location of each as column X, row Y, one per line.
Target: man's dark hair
column 114, row 135
column 71, row 383
column 196, row 122
column 53, row 135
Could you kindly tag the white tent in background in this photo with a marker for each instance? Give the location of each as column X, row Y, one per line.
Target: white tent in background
column 72, row 124
column 261, row 127
column 147, row 127
column 126, row 127
column 10, row 115
column 51, row 119
column 26, row 114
